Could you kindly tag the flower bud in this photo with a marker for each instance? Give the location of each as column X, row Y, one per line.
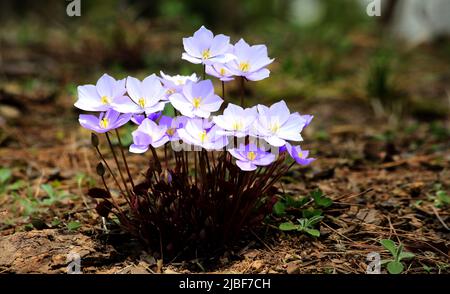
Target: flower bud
column 94, row 140
column 100, row 169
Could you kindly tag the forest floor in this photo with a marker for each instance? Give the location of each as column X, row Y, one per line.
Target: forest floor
column 387, row 180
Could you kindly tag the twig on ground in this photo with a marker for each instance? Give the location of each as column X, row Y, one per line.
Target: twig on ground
column 440, row 219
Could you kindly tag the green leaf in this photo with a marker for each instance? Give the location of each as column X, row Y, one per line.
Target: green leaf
column 169, row 110
column 312, row 232
column 311, row 212
column 389, row 245
column 72, row 226
column 395, row 267
column 16, row 185
column 279, row 209
column 324, row 202
column 443, row 197
column 48, row 189
column 314, row 220
column 302, row 223
column 398, row 252
column 5, row 175
column 55, row 222
column 316, row 193
column 406, row 255
column 427, row 268
column 321, row 200
column 296, row 202
column 288, row 226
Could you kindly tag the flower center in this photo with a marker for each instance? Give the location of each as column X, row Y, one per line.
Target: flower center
column 104, row 100
column 244, row 66
column 237, row 126
column 275, row 127
column 300, row 154
column 170, row 91
column 142, row 102
column 170, row 132
column 196, row 102
column 203, row 136
column 223, row 71
column 104, row 123
column 206, row 54
column 251, row 155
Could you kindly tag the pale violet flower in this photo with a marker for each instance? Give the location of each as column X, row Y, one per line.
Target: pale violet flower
column 220, row 71
column 100, row 97
column 196, row 99
column 236, row 121
column 173, row 125
column 138, row 118
column 201, row 132
column 105, row 122
column 174, row 84
column 249, row 157
column 146, row 96
column 250, row 62
column 206, row 48
column 299, row 155
column 277, row 125
column 148, row 133
column 308, row 118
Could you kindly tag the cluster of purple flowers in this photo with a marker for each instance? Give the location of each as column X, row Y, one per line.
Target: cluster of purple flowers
column 196, row 103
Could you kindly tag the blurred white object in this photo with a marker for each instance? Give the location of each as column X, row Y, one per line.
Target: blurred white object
column 418, row 21
column 306, row 12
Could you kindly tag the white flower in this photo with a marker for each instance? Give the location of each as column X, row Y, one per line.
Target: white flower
column 196, row 99
column 148, row 133
column 236, row 121
column 146, row 96
column 277, row 125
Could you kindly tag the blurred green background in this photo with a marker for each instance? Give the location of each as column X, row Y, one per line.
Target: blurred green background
column 325, row 50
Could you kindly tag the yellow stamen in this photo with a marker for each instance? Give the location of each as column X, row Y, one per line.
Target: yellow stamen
column 142, row 102
column 104, row 123
column 237, row 126
column 170, row 91
column 196, row 101
column 244, row 66
column 179, row 82
column 104, row 100
column 300, row 154
column 206, row 54
column 223, row 71
column 170, row 131
column 251, row 155
column 203, row 136
column 275, row 127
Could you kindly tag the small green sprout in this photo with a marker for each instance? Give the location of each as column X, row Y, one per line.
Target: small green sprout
column 73, row 226
column 395, row 266
column 290, row 203
column 304, row 225
column 441, row 199
column 320, row 200
column 53, row 195
column 6, row 185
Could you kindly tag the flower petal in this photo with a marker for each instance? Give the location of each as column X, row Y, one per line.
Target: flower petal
column 258, row 75
column 190, row 58
column 105, row 86
column 245, row 165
